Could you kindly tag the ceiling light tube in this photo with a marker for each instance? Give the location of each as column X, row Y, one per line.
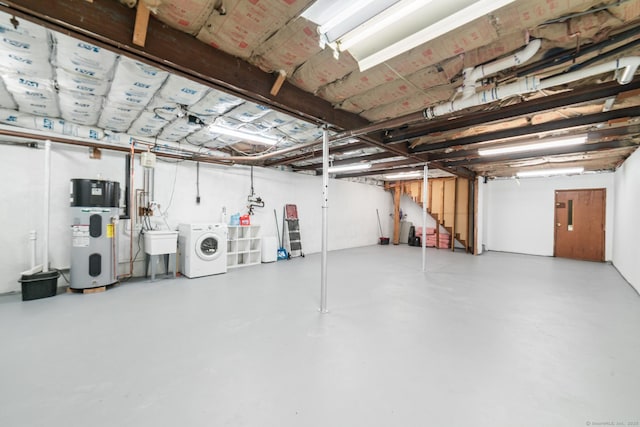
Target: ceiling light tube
column 349, row 168
column 549, row 172
column 380, row 22
column 430, row 32
column 555, row 143
column 339, row 17
column 242, row 135
column 404, row 175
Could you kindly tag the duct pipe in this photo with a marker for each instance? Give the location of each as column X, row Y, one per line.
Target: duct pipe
column 626, row 68
column 472, row 75
column 47, row 192
column 325, row 219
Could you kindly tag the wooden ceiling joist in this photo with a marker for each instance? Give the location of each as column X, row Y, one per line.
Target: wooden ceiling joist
column 609, row 145
column 593, row 135
column 551, row 102
column 532, row 129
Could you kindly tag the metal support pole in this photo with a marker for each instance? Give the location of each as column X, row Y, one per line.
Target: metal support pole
column 325, row 218
column 425, row 181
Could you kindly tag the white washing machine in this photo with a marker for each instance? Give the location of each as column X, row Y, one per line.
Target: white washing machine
column 203, row 249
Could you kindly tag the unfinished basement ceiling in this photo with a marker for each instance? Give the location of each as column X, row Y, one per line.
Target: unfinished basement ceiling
column 210, row 62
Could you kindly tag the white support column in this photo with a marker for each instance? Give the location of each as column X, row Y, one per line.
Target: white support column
column 325, row 218
column 425, row 181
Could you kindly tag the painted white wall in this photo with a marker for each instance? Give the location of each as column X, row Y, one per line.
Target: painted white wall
column 626, row 233
column 352, row 206
column 520, row 213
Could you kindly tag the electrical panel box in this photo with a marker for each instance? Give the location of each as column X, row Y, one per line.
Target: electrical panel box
column 147, row 159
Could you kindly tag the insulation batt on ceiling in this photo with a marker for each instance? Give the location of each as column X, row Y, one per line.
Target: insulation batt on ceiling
column 290, row 47
column 6, row 100
column 268, row 34
column 246, row 24
column 25, row 50
column 81, row 89
column 185, row 15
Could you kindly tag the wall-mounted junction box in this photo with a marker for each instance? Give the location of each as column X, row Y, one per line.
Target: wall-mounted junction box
column 147, row 159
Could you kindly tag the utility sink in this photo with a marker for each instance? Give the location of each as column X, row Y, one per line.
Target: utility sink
column 159, row 242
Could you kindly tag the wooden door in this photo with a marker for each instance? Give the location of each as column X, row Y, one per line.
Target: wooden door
column 579, row 224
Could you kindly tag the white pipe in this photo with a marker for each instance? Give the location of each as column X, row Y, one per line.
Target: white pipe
column 472, row 75
column 47, row 184
column 325, row 219
column 425, row 181
column 627, row 67
column 33, row 236
column 525, row 85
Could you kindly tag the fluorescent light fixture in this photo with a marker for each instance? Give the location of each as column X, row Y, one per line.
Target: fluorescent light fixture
column 349, row 168
column 404, row 175
column 427, row 20
column 555, row 143
column 335, row 20
column 353, row 9
column 242, row 135
column 549, row 172
column 379, row 22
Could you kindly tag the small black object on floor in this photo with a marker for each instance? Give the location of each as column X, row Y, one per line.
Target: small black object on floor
column 39, row 285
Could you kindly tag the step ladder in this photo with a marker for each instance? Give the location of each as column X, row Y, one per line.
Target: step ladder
column 293, row 230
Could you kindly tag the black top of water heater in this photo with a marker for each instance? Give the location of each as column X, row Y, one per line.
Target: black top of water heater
column 95, row 193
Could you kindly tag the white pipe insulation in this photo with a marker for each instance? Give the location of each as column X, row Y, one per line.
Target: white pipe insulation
column 472, row 75
column 624, row 67
column 33, row 236
column 47, row 192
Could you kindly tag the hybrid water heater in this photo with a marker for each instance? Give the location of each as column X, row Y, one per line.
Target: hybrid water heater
column 94, row 245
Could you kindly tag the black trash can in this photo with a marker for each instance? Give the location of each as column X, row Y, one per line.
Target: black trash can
column 39, row 285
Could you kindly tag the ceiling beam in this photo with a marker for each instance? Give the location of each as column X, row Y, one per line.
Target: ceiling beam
column 563, row 99
column 381, row 171
column 532, row 129
column 317, row 153
column 110, row 24
column 587, row 148
column 394, row 170
column 367, row 158
column 377, row 170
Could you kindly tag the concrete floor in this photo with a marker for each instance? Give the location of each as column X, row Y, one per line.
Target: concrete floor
column 495, row 340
